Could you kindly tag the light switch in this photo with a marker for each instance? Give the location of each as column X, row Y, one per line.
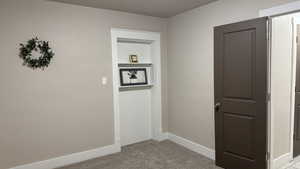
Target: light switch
column 104, row 80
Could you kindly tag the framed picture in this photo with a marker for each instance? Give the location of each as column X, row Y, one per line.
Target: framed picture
column 133, row 59
column 133, row 76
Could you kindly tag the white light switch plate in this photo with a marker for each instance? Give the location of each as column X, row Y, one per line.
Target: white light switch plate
column 104, row 80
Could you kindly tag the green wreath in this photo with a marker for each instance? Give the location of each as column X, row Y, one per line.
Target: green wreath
column 36, row 45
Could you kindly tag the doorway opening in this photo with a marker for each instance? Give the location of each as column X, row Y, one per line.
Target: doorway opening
column 284, row 84
column 256, row 59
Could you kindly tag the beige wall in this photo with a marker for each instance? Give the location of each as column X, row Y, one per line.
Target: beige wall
column 190, row 64
column 64, row 109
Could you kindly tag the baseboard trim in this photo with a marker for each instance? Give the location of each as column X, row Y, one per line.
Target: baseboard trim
column 91, row 154
column 207, row 152
column 283, row 161
column 72, row 158
column 161, row 137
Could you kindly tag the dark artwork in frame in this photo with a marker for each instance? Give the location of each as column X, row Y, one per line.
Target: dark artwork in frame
column 133, row 76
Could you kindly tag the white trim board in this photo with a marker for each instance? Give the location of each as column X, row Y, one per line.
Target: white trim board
column 162, row 137
column 281, row 10
column 71, row 158
column 200, row 149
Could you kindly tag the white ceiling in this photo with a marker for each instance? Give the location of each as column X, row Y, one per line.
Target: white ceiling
column 158, row 8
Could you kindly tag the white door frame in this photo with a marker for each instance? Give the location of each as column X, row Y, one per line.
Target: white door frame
column 156, row 107
column 274, row 12
column 281, row 9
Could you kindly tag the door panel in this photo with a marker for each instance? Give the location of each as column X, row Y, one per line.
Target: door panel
column 245, row 129
column 135, row 116
column 297, row 102
column 240, row 94
column 238, row 77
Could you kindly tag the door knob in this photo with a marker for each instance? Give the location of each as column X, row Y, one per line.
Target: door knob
column 217, row 106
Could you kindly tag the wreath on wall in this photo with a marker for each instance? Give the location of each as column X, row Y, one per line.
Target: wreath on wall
column 35, row 45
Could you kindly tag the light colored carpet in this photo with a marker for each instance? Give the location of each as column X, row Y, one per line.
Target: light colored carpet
column 149, row 155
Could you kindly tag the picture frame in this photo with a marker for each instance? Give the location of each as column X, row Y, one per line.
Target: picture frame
column 133, row 76
column 133, row 59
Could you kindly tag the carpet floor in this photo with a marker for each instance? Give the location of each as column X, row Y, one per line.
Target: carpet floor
column 149, row 155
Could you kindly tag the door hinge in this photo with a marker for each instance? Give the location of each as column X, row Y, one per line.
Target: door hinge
column 268, row 156
column 268, row 30
column 268, row 97
column 294, row 136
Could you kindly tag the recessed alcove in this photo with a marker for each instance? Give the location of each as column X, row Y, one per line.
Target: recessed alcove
column 137, row 108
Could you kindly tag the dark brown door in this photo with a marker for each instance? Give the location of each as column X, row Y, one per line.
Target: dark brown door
column 241, row 94
column 297, row 102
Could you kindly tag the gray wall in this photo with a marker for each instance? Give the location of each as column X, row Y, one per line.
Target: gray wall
column 64, row 109
column 190, row 64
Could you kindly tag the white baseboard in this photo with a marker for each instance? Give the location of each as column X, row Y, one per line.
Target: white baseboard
column 72, row 158
column 91, row 154
column 161, row 137
column 282, row 162
column 207, row 152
